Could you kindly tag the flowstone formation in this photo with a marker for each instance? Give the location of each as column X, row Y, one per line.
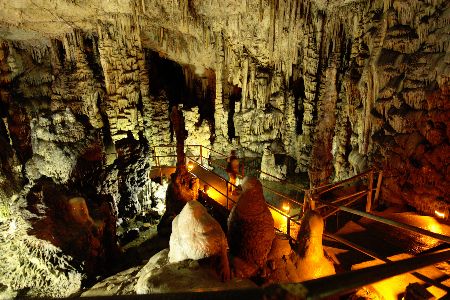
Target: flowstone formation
column 196, row 235
column 250, row 230
column 306, row 261
column 183, row 187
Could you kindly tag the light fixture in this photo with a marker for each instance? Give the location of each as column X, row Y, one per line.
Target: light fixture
column 286, row 207
column 439, row 214
column 190, row 166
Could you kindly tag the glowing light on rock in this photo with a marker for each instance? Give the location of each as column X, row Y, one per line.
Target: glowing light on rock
column 286, row 207
column 439, row 214
column 190, row 166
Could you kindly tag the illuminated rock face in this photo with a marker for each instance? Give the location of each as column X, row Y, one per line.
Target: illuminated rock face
column 278, row 72
column 307, row 261
column 311, row 262
column 271, row 170
column 250, row 229
column 196, row 235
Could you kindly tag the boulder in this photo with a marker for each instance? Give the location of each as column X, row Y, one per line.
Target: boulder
column 160, row 276
column 195, row 234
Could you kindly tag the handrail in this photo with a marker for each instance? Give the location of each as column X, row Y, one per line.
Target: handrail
column 333, row 285
column 353, row 197
column 288, row 198
column 335, row 184
column 288, row 217
column 390, row 222
column 225, row 156
column 383, row 259
column 310, row 190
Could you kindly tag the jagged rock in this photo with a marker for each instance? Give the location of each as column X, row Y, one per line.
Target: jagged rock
column 126, row 178
column 250, row 229
column 30, row 266
column 122, row 283
column 268, row 166
column 66, row 222
column 57, row 141
column 157, row 277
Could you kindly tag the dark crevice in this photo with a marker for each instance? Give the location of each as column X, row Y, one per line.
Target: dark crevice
column 235, row 96
column 298, row 88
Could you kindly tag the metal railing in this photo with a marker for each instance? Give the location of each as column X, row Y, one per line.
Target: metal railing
column 334, row 285
column 200, row 161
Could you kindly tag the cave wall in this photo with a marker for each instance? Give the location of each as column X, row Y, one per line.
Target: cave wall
column 367, row 80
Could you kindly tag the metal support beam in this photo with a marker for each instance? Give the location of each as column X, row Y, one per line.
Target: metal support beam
column 393, row 223
column 340, row 284
column 384, row 259
column 369, row 194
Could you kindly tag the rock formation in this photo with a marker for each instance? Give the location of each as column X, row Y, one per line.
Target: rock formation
column 183, row 187
column 268, row 67
column 250, row 229
column 196, row 235
column 86, row 89
column 307, row 261
column 157, row 276
column 271, row 171
column 312, row 262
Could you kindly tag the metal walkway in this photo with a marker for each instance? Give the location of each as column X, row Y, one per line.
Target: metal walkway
column 286, row 211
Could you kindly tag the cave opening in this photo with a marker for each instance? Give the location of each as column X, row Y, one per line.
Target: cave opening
column 182, row 84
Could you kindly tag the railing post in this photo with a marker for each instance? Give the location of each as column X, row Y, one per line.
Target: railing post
column 377, row 192
column 288, row 226
column 226, row 184
column 201, row 155
column 305, row 200
column 369, row 193
column 312, row 202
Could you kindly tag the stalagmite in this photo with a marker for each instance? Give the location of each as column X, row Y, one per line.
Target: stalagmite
column 250, row 230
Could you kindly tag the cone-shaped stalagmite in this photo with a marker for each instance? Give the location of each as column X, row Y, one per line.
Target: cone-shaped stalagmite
column 250, row 229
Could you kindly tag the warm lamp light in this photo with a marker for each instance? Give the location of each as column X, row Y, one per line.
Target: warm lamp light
column 286, row 207
column 439, row 214
column 190, row 166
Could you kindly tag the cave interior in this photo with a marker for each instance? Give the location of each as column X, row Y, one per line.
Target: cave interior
column 222, row 149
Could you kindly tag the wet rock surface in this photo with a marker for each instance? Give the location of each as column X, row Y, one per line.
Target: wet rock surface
column 250, row 230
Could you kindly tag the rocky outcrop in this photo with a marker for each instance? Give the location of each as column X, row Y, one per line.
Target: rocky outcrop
column 85, row 233
column 250, row 230
column 30, row 266
column 57, row 141
column 196, row 235
column 307, row 261
column 157, row 277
